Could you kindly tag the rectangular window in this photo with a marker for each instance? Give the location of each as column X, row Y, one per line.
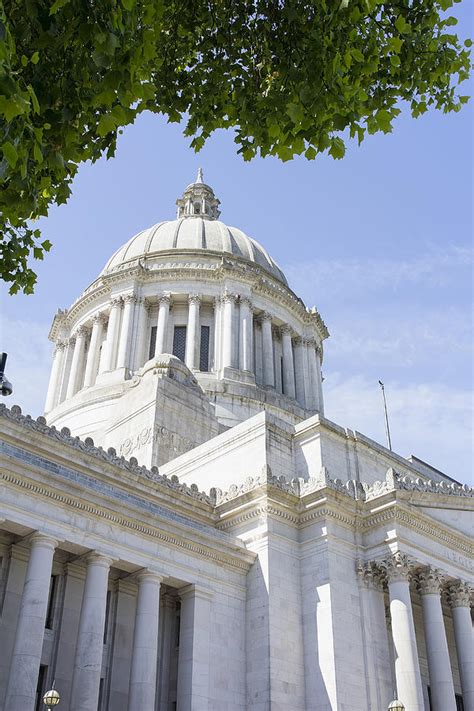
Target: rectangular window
column 107, row 615
column 151, row 350
column 179, row 342
column 204, row 355
column 40, row 688
column 53, row 586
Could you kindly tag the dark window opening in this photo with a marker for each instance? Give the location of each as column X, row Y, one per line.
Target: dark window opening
column 151, row 350
column 179, row 342
column 177, row 624
column 204, row 354
column 40, row 688
column 458, row 699
column 107, row 614
column 281, row 376
column 53, row 586
column 100, row 702
column 197, row 208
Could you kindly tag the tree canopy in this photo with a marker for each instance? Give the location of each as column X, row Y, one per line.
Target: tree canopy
column 290, row 77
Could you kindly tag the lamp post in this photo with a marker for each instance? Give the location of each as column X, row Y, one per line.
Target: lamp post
column 396, row 705
column 51, row 698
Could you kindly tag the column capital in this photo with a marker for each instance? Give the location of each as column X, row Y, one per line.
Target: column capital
column 149, row 575
column 245, row 300
column 169, row 601
column 286, row 330
column 227, row 298
column 370, row 574
column 43, row 540
column 459, row 594
column 266, row 316
column 81, row 332
column 397, row 567
column 59, row 345
column 99, row 318
column 194, row 299
column 99, row 559
column 428, row 581
column 116, row 302
column 164, row 299
column 130, row 299
column 297, row 340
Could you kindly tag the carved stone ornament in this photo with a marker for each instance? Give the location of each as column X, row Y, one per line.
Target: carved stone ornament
column 164, row 299
column 428, row 581
column 397, row 567
column 99, row 318
column 81, row 332
column 116, row 303
column 286, row 329
column 245, row 301
column 371, row 575
column 266, row 316
column 60, row 346
column 297, row 341
column 228, row 298
column 130, row 299
column 459, row 594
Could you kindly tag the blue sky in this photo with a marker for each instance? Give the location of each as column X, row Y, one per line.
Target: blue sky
column 380, row 242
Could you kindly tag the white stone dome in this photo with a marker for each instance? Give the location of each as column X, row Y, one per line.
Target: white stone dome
column 196, row 229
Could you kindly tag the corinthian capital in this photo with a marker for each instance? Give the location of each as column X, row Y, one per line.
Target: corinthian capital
column 130, row 299
column 371, row 574
column 227, row 297
column 459, row 594
column 428, row 581
column 194, row 299
column 266, row 316
column 116, row 302
column 164, row 299
column 397, row 567
column 99, row 318
column 80, row 332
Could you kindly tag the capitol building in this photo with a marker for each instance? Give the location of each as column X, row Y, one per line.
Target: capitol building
column 185, row 530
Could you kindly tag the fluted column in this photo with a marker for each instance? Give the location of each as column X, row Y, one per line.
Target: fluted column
column 162, row 324
column 299, row 370
column 125, row 339
column 142, row 690
column 439, row 665
column 267, row 347
column 193, row 686
column 308, row 389
column 26, row 657
column 54, row 380
column 459, row 597
column 193, row 333
column 288, row 362
column 108, row 360
column 90, row 638
column 93, row 353
column 407, row 667
column 66, row 369
column 168, row 625
column 228, row 306
column 246, row 335
column 77, row 361
column 140, row 357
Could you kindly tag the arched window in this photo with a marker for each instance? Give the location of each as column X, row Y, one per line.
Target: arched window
column 197, row 208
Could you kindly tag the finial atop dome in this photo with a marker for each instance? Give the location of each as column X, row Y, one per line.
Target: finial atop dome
column 198, row 200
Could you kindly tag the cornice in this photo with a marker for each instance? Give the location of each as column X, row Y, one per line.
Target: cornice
column 134, row 525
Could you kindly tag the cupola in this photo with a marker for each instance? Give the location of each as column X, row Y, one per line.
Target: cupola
column 198, row 200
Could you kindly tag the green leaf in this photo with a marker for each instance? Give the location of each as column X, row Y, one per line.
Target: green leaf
column 402, row 25
column 34, row 99
column 57, row 5
column 337, row 149
column 106, row 124
column 10, row 153
column 35, row 58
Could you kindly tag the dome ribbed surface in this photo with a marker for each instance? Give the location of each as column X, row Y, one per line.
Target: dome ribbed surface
column 192, row 234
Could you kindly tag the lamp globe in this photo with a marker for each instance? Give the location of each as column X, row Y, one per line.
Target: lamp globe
column 51, row 698
column 396, row 705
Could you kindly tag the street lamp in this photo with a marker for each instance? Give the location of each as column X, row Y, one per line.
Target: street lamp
column 51, row 698
column 396, row 705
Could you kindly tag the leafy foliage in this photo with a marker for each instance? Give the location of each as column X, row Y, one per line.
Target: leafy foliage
column 290, row 76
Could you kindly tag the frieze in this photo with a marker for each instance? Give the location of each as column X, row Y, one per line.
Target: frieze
column 174, row 443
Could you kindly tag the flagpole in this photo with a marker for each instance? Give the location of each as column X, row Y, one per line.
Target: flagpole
column 387, row 428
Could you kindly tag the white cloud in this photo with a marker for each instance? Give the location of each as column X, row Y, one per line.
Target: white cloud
column 432, row 421
column 437, row 268
column 28, row 364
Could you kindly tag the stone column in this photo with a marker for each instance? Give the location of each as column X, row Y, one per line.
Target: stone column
column 228, row 306
column 313, row 373
column 299, row 370
column 93, row 353
column 374, row 636
column 439, row 665
column 26, row 657
column 194, row 640
column 142, row 690
column 125, row 338
column 139, row 356
column 319, row 380
column 267, row 346
column 77, row 362
column 90, row 638
column 407, row 667
column 217, row 333
column 246, row 335
column 308, row 390
column 54, row 380
column 162, row 324
column 193, row 333
column 288, row 363
column 459, row 598
column 108, row 360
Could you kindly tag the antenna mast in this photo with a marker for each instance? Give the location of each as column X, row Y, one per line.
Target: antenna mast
column 387, row 428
